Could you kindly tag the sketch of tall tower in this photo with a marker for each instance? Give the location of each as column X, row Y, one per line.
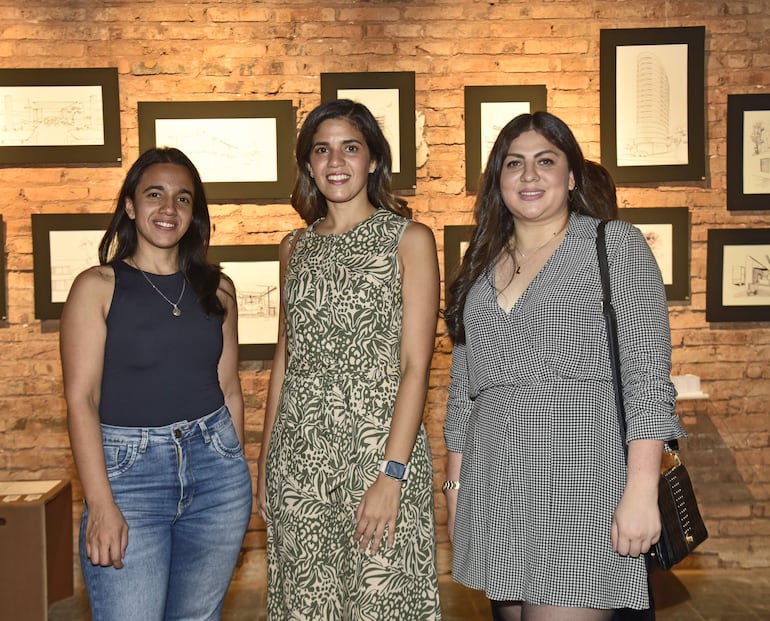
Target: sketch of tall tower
column 652, row 106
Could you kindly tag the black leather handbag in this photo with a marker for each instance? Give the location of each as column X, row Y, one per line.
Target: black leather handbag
column 682, row 525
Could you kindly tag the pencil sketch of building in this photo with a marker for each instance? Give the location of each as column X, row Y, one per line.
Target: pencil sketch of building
column 652, row 104
column 258, row 301
column 752, row 277
column 51, row 116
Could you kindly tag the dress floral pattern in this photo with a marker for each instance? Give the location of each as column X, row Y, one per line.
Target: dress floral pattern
column 343, row 309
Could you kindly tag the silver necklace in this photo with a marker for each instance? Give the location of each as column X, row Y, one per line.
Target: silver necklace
column 175, row 310
column 517, row 265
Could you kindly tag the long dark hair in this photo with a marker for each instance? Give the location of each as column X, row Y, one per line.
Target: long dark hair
column 494, row 223
column 120, row 240
column 307, row 199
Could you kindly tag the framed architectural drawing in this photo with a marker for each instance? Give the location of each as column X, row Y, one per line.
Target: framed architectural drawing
column 456, row 240
column 59, row 116
column 738, row 275
column 391, row 99
column 3, row 279
column 652, row 103
column 748, row 152
column 63, row 245
column 243, row 150
column 667, row 230
column 487, row 110
column 255, row 272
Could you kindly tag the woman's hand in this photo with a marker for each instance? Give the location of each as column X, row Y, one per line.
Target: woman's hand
column 376, row 515
column 106, row 535
column 636, row 523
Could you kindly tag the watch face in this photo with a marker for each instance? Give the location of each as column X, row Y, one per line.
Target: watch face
column 395, row 470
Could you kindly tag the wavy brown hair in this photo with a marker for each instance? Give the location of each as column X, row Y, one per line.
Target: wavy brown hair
column 494, row 223
column 307, row 199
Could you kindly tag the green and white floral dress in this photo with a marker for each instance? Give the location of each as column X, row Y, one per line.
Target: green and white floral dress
column 343, row 309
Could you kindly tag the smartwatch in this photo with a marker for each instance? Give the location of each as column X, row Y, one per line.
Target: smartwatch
column 395, row 470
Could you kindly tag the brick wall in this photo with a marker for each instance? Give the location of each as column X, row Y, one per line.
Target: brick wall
column 230, row 50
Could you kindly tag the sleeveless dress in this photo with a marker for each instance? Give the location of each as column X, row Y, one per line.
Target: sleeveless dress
column 343, row 312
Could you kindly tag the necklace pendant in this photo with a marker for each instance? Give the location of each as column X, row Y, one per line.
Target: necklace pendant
column 176, row 311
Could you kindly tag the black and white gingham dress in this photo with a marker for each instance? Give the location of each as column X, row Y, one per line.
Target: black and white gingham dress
column 531, row 408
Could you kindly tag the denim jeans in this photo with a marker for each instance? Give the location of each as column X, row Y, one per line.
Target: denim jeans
column 185, row 491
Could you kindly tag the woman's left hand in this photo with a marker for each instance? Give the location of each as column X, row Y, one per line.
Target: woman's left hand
column 377, row 513
column 636, row 523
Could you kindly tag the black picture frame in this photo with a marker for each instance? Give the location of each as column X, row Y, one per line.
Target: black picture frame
column 59, row 116
column 243, row 150
column 456, row 238
column 652, row 124
column 3, row 278
column 738, row 270
column 63, row 245
column 258, row 302
column 375, row 91
column 748, row 169
column 480, row 131
column 667, row 230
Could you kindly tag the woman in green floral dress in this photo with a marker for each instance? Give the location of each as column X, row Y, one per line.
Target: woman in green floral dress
column 345, row 473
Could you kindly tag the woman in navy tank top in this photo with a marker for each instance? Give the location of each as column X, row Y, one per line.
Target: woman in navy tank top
column 149, row 348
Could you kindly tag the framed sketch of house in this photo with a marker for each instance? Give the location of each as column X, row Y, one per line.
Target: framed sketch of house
column 255, row 271
column 487, row 110
column 63, row 245
column 456, row 240
column 652, row 103
column 390, row 96
column 667, row 231
column 738, row 275
column 59, row 116
column 748, row 152
column 243, row 150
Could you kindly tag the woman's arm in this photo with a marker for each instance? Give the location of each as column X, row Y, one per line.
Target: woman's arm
column 420, row 288
column 82, row 338
column 648, row 394
column 229, row 380
column 459, row 407
column 277, row 373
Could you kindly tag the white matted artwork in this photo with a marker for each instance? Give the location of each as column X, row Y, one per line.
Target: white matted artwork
column 45, row 116
column 225, row 149
column 71, row 253
column 756, row 152
column 652, row 105
column 746, row 275
column 383, row 103
column 660, row 239
column 258, row 293
column 494, row 116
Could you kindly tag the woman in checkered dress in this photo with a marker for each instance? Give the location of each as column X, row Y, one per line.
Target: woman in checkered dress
column 544, row 514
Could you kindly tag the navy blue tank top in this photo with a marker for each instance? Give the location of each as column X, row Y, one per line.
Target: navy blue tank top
column 158, row 369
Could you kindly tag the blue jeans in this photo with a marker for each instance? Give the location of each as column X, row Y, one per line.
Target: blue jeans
column 185, row 491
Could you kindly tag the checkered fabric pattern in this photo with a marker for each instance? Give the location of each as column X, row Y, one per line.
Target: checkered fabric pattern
column 531, row 408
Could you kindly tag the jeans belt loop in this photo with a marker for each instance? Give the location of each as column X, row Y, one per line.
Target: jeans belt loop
column 204, row 432
column 144, row 441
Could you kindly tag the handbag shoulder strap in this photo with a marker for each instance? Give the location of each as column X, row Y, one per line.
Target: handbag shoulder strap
column 610, row 321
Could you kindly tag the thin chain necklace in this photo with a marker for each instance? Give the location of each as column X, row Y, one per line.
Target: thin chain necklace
column 531, row 253
column 175, row 310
